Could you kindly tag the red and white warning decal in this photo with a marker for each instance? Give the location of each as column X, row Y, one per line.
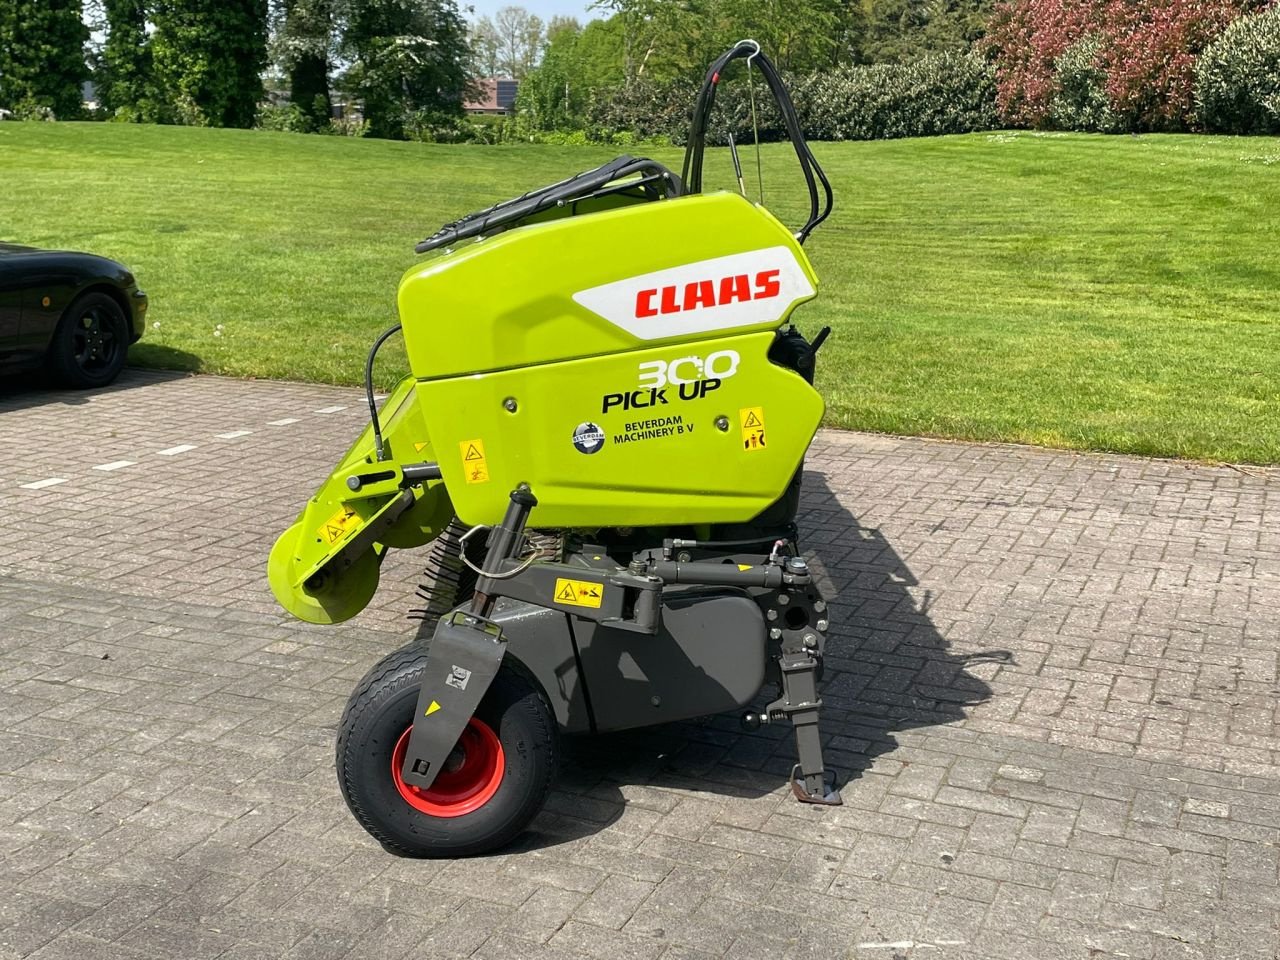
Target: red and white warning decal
column 735, row 291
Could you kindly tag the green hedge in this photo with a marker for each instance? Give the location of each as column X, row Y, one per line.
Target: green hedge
column 937, row 94
column 1238, row 77
column 1080, row 101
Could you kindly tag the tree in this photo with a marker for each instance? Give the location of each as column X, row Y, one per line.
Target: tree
column 484, row 48
column 551, row 95
column 519, row 40
column 302, row 48
column 895, row 31
column 559, row 24
column 408, row 62
column 124, row 67
column 42, row 55
column 208, row 57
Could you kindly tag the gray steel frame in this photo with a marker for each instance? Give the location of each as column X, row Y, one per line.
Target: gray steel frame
column 468, row 647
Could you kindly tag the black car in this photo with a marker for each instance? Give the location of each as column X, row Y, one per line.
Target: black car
column 74, row 312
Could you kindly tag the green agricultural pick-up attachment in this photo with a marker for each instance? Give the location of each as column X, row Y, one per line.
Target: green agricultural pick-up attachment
column 601, row 441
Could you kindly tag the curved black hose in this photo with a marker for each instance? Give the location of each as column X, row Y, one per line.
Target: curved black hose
column 368, row 391
column 814, row 175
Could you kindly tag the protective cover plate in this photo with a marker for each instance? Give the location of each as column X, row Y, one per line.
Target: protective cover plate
column 337, row 593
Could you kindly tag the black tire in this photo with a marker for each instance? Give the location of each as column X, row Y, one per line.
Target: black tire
column 381, row 710
column 90, row 343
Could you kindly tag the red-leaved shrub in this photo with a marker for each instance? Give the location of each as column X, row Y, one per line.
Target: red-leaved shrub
column 1146, row 49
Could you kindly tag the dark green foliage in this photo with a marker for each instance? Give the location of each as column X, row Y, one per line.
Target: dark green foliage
column 1238, row 77
column 408, row 63
column 302, row 47
column 42, row 57
column 208, row 56
column 1080, row 101
column 937, row 94
column 124, row 66
column 895, row 31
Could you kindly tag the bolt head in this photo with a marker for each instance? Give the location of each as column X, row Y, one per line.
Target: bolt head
column 822, row 626
column 510, row 405
column 722, row 424
column 775, row 633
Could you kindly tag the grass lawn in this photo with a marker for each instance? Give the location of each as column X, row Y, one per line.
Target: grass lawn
column 1112, row 293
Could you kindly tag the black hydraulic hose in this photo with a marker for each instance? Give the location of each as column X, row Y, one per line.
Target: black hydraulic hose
column 809, row 166
column 368, row 391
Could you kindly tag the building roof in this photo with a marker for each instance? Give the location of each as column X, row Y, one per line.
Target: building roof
column 493, row 93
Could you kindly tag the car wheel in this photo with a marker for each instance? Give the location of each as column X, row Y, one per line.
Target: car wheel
column 496, row 781
column 90, row 343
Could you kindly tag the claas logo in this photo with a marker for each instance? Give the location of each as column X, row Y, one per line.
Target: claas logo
column 739, row 288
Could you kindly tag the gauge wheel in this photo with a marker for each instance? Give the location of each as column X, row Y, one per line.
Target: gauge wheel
column 90, row 343
column 495, row 781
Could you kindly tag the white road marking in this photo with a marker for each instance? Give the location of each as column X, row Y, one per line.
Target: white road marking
column 233, row 434
column 908, row 944
column 174, row 451
column 330, row 409
column 115, row 465
column 282, row 423
column 41, row 484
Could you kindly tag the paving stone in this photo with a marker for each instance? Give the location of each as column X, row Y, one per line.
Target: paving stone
column 1050, row 693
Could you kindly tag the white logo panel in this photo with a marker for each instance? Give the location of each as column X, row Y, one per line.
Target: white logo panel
column 739, row 290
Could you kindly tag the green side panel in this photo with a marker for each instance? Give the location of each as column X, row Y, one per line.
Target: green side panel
column 507, row 301
column 656, row 454
column 324, row 568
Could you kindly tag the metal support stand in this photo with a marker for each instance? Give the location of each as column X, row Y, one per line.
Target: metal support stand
column 465, row 654
column 800, row 703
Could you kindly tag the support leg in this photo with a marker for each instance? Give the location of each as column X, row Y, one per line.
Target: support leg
column 800, row 703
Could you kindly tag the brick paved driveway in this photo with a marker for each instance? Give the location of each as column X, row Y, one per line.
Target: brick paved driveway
column 1053, row 691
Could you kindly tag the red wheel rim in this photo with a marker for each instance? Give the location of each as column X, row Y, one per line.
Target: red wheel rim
column 467, row 787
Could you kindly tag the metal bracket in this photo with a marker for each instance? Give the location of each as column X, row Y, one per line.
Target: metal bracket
column 465, row 654
column 802, row 623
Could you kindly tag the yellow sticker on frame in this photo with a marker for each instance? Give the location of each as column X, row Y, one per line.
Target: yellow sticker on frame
column 336, row 527
column 579, row 593
column 475, row 466
column 752, row 420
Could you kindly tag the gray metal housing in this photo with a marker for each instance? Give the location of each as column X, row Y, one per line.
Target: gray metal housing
column 708, row 657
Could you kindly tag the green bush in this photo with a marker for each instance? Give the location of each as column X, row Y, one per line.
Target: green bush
column 937, row 94
column 934, row 95
column 1238, row 77
column 284, row 117
column 1080, row 101
column 644, row 109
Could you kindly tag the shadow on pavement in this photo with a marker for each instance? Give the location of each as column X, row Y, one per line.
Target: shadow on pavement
column 888, row 670
column 32, row 389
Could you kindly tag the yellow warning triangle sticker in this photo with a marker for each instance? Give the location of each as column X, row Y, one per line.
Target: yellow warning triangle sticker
column 432, row 709
column 418, row 446
column 473, row 453
column 752, row 420
column 567, row 594
column 744, row 566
